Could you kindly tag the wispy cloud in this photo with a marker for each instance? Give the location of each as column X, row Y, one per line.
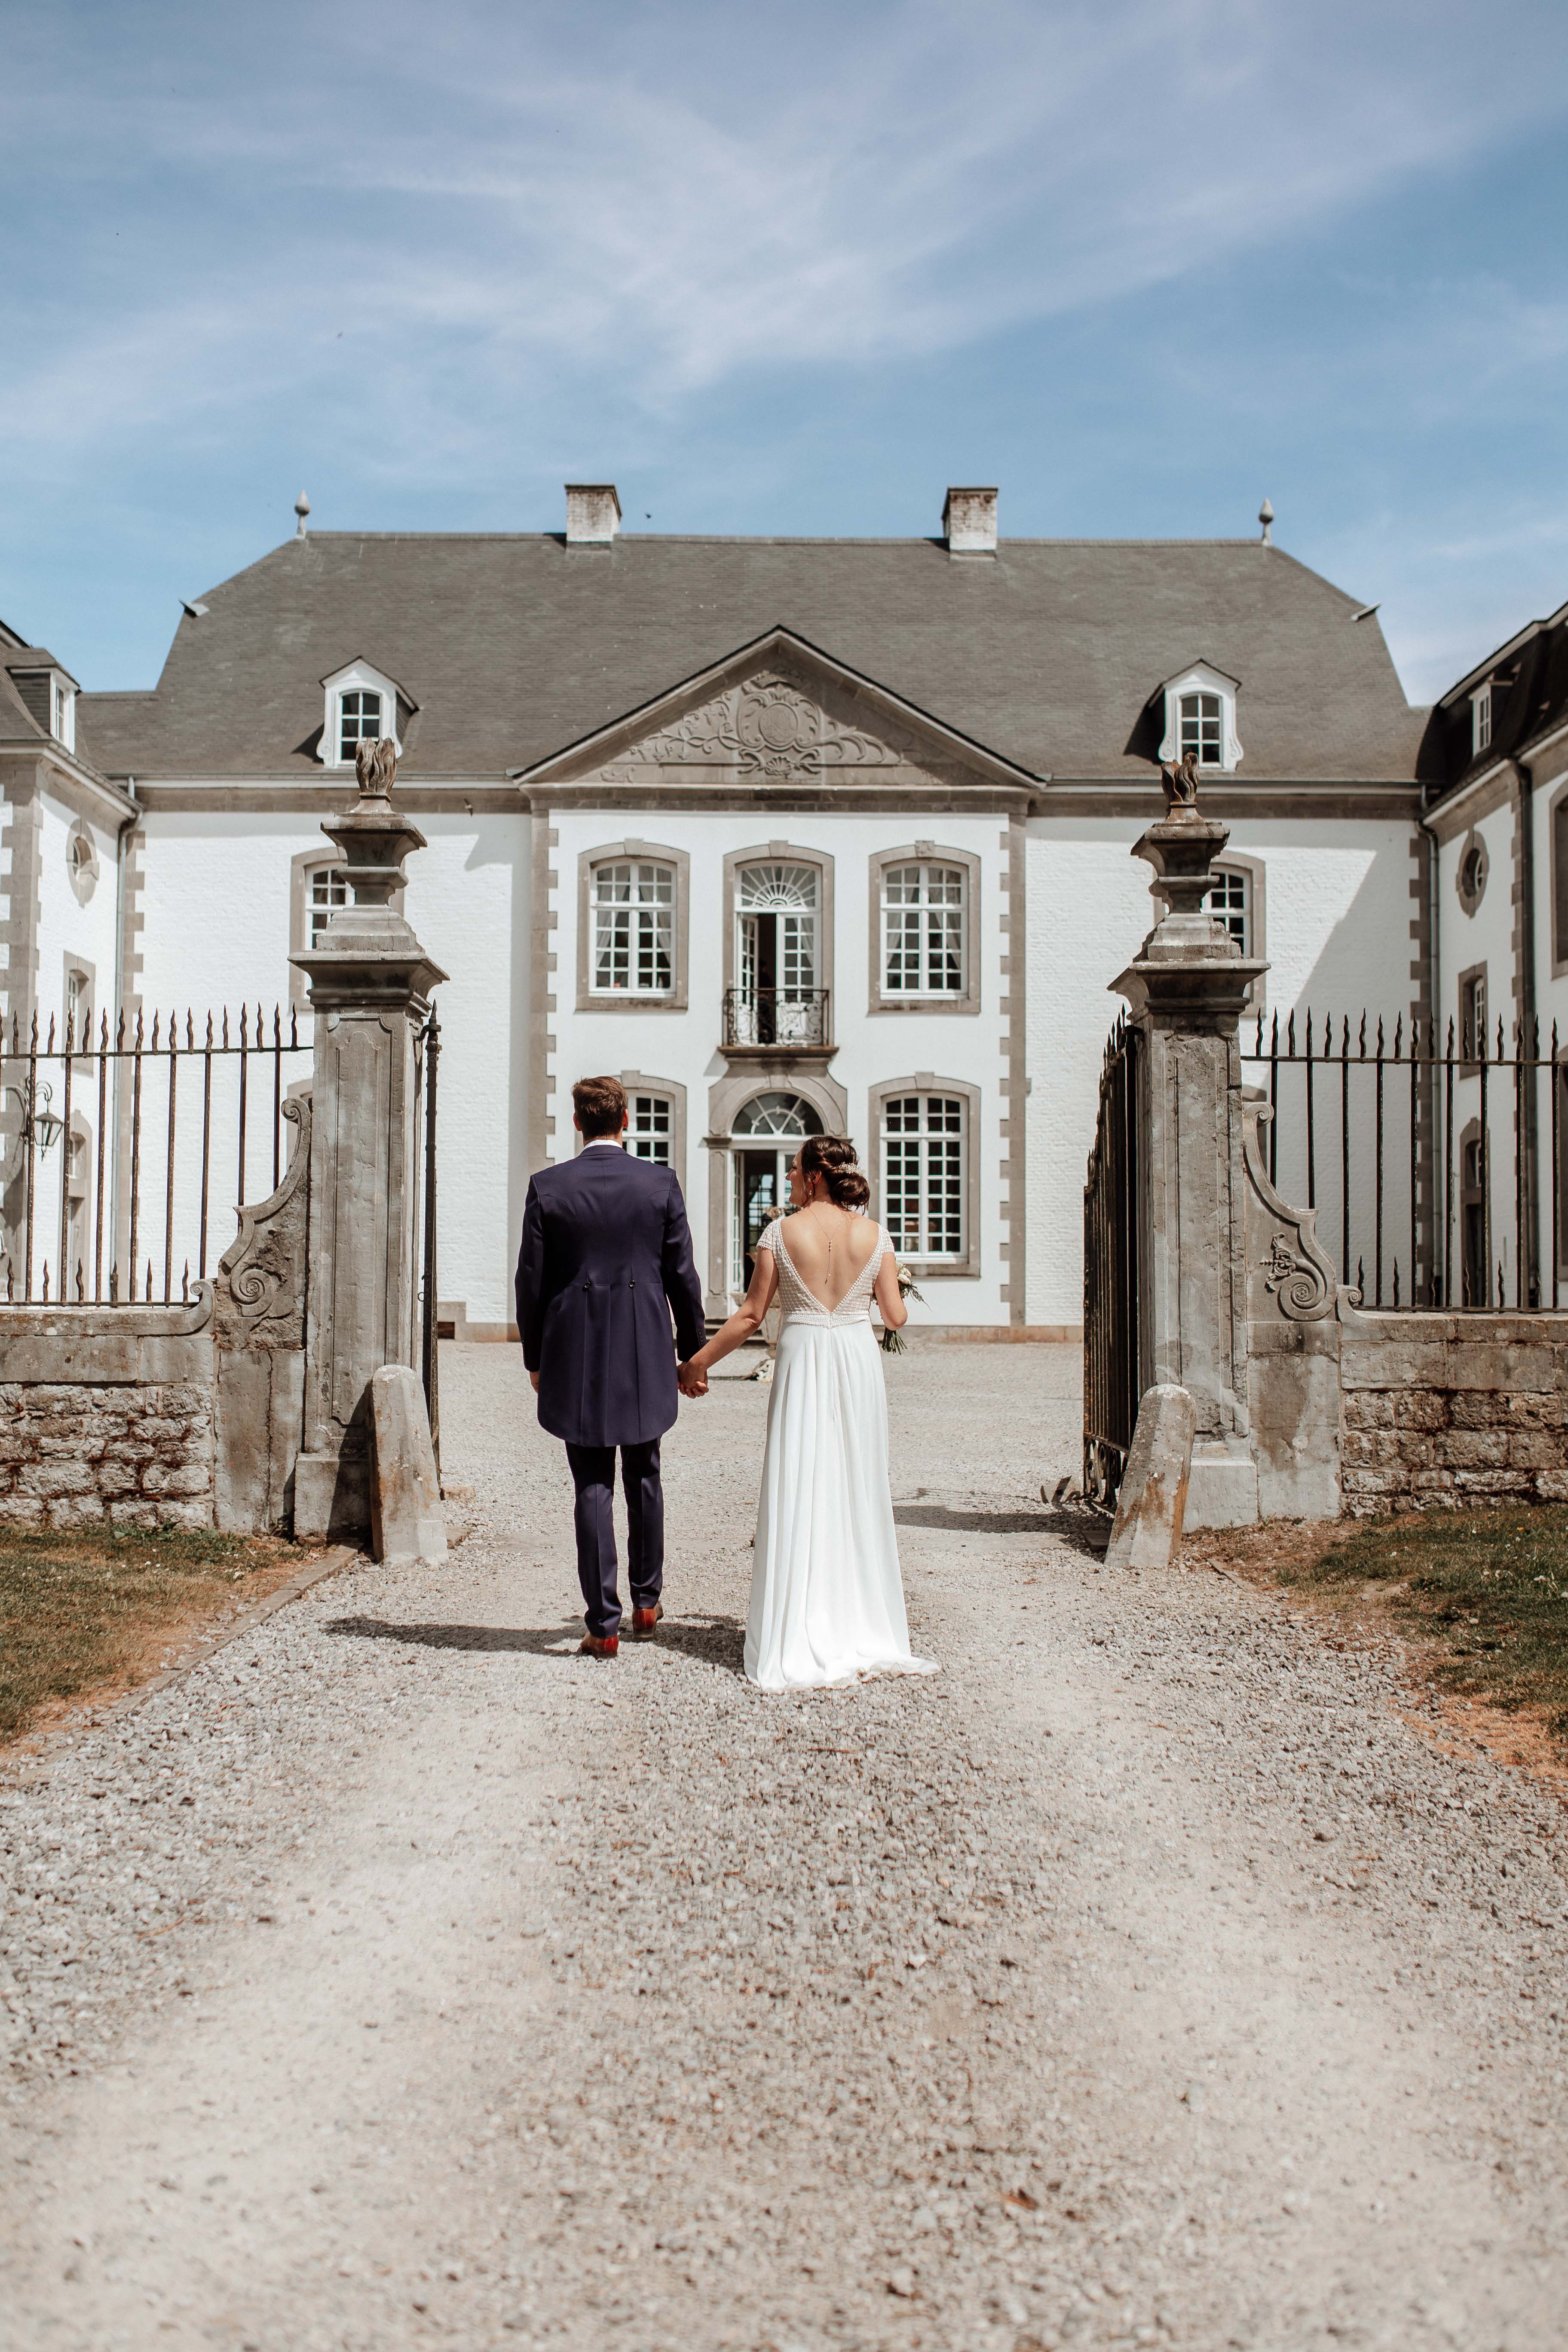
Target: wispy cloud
column 689, row 195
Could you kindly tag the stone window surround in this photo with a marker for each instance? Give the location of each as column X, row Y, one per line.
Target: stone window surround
column 658, row 852
column 1257, row 872
column 726, row 1097
column 309, row 862
column 926, row 853
column 639, row 1082
column 925, row 1082
column 83, row 877
column 781, row 853
column 1470, row 899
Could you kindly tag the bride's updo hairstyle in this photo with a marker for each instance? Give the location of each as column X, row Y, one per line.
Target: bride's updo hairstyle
column 834, row 1158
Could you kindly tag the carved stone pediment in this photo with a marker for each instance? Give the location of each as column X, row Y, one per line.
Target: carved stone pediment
column 777, row 725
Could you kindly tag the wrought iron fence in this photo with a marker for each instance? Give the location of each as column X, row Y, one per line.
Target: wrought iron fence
column 1113, row 1225
column 109, row 1143
column 776, row 1017
column 1436, row 1162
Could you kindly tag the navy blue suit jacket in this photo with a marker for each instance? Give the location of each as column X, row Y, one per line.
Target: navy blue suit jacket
column 605, row 1259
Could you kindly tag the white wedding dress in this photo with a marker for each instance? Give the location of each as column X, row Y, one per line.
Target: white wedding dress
column 827, row 1600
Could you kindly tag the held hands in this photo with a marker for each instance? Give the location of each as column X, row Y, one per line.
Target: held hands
column 693, row 1383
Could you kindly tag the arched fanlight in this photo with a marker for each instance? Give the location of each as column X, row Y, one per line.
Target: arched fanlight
column 776, row 1118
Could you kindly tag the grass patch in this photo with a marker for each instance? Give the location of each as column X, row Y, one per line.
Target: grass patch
column 1488, row 1590
column 81, row 1610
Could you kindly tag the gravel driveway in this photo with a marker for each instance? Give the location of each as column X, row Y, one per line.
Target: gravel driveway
column 1149, row 1975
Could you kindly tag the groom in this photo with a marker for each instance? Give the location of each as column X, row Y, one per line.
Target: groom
column 605, row 1259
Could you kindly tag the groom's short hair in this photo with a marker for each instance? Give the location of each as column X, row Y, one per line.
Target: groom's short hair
column 600, row 1105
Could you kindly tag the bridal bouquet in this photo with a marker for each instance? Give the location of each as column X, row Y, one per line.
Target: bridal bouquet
column 893, row 1341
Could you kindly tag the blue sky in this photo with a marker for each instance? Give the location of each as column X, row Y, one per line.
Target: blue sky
column 1139, row 263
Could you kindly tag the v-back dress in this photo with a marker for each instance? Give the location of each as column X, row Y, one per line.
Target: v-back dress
column 827, row 1600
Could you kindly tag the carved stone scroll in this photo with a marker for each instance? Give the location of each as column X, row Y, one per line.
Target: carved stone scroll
column 261, row 1275
column 1287, row 1262
column 258, row 1327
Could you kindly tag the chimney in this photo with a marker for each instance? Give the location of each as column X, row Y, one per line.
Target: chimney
column 593, row 514
column 969, row 522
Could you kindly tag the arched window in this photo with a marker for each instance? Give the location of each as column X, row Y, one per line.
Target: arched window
column 634, row 929
column 787, row 1117
column 777, row 1000
column 768, row 1131
column 1201, row 718
column 359, row 716
column 329, row 890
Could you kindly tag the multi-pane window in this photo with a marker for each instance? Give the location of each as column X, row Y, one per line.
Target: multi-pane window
column 652, row 1127
column 634, row 929
column 1230, row 903
column 922, row 930
column 359, row 715
column 1473, row 1014
column 328, row 891
column 1481, row 709
column 78, row 1004
column 1201, row 729
column 923, row 1175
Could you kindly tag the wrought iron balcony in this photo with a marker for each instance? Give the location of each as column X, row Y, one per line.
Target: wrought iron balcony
column 794, row 1019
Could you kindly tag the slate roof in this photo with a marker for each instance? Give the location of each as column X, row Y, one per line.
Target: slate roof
column 517, row 647
column 1529, row 679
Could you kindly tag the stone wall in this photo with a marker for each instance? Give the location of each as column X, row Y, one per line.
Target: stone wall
column 106, row 1415
column 1448, row 1410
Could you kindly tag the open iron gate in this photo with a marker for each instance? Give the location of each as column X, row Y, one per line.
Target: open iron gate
column 1112, row 1219
column 429, row 1349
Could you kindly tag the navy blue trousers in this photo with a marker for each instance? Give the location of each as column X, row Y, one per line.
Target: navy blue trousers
column 594, row 1472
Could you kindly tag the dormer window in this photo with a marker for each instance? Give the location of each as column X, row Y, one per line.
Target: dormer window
column 364, row 705
column 1200, row 728
column 1481, row 720
column 1200, row 718
column 49, row 692
column 359, row 715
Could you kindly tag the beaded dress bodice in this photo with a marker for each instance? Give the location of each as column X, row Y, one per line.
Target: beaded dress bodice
column 796, row 1304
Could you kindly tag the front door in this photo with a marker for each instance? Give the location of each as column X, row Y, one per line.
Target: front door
column 762, row 1185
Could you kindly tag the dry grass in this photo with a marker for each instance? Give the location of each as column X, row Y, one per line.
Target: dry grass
column 85, row 1613
column 1483, row 1595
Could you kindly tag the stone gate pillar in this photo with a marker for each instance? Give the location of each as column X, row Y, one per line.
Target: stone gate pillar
column 1187, row 987
column 370, row 984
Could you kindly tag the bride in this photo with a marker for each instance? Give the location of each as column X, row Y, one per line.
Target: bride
column 828, row 1603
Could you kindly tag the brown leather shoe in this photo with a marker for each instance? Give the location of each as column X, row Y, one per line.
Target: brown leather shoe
column 645, row 1620
column 598, row 1646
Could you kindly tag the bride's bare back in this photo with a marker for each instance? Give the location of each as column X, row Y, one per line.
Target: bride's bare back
column 829, row 1248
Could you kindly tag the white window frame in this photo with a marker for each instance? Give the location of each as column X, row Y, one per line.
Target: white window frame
column 650, row 924
column 1482, row 720
column 965, row 1261
column 357, row 677
column 590, row 998
column 1202, row 678
column 927, row 854
column 82, row 864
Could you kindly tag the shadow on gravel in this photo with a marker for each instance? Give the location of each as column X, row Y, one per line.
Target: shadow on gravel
column 542, row 1640
column 719, row 1641
column 1085, row 1530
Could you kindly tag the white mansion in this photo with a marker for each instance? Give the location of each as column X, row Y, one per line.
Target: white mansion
column 791, row 834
